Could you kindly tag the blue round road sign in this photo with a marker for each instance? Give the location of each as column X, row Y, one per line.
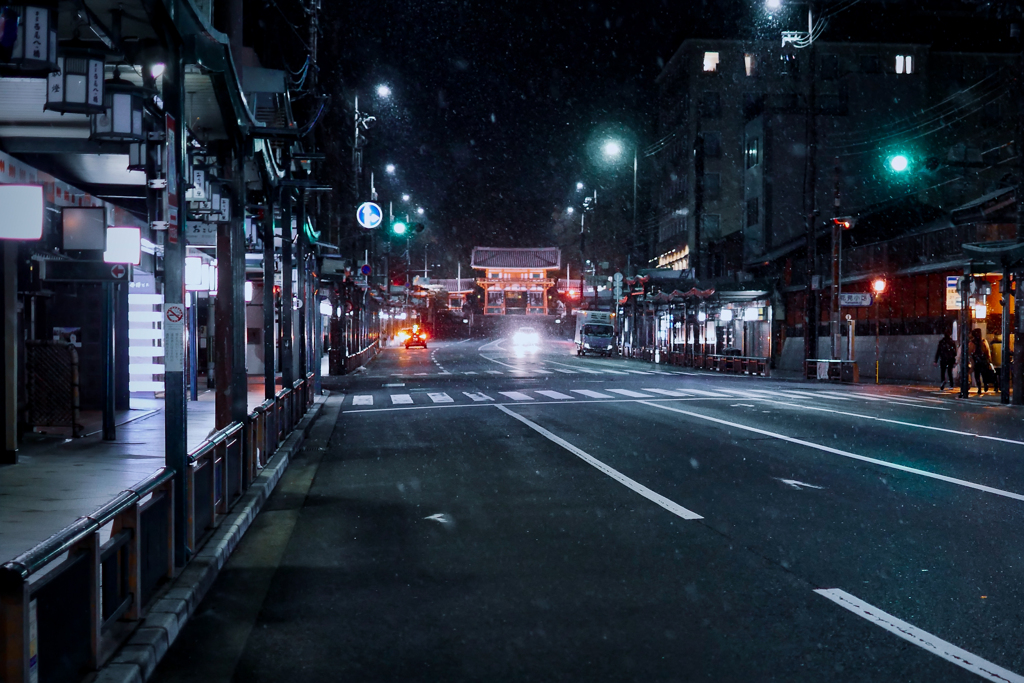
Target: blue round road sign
column 369, row 215
column 365, row 269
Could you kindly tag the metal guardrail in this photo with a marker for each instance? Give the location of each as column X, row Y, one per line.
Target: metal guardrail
column 67, row 604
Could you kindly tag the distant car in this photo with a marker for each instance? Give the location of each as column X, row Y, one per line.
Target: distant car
column 526, row 336
column 416, row 338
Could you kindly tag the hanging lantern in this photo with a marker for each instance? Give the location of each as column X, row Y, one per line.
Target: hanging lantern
column 28, row 39
column 78, row 87
column 123, row 108
column 137, row 156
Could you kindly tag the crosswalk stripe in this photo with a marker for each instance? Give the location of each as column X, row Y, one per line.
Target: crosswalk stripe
column 701, row 392
column 478, row 396
column 629, row 393
column 591, row 394
column 554, row 394
column 809, row 394
column 362, row 400
column 667, row 392
column 494, row 372
column 441, row 398
column 615, row 372
column 516, row 395
column 567, row 372
column 749, row 393
column 662, row 372
column 471, row 372
column 637, row 372
column 401, row 399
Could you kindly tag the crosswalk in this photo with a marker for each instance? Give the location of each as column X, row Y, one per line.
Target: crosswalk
column 430, row 397
column 551, row 368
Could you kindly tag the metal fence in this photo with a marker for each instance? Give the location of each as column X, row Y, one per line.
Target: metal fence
column 69, row 603
column 52, row 385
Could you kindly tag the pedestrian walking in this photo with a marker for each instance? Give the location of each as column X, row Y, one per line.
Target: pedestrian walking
column 981, row 361
column 945, row 358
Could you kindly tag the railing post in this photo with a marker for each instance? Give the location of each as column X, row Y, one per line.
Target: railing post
column 90, row 547
column 18, row 635
column 129, row 521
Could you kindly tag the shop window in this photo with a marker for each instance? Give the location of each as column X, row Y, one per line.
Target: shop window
column 750, row 64
column 710, row 62
column 753, row 152
column 904, row 64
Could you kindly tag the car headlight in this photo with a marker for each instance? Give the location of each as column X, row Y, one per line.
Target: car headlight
column 609, row 346
column 586, row 345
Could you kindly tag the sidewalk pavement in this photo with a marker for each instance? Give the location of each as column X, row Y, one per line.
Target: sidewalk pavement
column 57, row 479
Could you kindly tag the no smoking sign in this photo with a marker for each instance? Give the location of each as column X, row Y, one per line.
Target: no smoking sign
column 174, row 337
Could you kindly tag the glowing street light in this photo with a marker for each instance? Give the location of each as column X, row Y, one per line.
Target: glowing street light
column 419, row 210
column 383, row 91
column 579, row 187
column 612, row 149
column 390, row 169
column 569, row 210
column 878, row 286
column 405, row 197
column 772, row 5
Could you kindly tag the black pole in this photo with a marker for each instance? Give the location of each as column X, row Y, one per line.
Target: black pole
column 287, row 329
column 269, row 347
column 964, row 339
column 109, row 385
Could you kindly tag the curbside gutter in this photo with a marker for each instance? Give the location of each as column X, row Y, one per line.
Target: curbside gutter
column 137, row 659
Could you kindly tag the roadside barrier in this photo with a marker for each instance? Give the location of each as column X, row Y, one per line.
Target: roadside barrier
column 67, row 604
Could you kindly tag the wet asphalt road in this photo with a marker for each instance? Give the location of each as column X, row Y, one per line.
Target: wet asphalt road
column 475, row 512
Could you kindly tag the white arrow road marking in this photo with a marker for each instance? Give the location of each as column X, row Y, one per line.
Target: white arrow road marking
column 650, row 495
column 924, row 640
column 362, row 400
column 793, row 483
column 442, row 518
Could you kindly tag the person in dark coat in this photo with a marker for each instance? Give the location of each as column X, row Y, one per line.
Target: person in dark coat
column 945, row 358
column 981, row 361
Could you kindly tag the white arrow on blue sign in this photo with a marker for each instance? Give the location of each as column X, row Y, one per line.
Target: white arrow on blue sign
column 369, row 215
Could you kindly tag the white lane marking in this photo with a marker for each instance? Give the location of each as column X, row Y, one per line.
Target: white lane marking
column 590, row 393
column 567, row 372
column 555, row 394
column 615, row 372
column 898, row 400
column 440, row 397
column 630, row 394
column 395, row 384
column 478, row 396
column 362, row 400
column 793, row 483
column 638, row 372
column 495, row 372
column 661, row 372
column 496, row 344
column 574, row 367
column 636, row 486
column 806, row 394
column 539, row 371
column 516, row 395
column 470, row 372
column 701, row 392
column 667, row 392
column 401, row 399
column 924, row 640
column 901, row 422
column 845, row 454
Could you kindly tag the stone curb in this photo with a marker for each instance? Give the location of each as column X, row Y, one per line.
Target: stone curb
column 137, row 659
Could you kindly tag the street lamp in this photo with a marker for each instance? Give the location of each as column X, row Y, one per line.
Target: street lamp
column 877, row 286
column 579, row 187
column 390, row 169
column 419, row 211
column 383, row 91
column 772, row 5
column 405, row 197
column 613, row 150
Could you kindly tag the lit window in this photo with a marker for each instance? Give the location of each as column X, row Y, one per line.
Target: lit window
column 904, row 64
column 710, row 61
column 750, row 63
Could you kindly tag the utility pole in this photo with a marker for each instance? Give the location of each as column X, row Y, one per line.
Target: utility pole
column 837, row 240
column 698, row 200
column 1018, row 347
column 810, row 211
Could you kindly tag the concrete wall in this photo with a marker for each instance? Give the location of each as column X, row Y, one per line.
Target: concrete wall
column 906, row 357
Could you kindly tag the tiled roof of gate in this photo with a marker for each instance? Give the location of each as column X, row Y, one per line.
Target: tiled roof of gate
column 548, row 258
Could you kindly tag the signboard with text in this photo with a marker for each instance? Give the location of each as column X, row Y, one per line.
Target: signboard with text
column 855, row 299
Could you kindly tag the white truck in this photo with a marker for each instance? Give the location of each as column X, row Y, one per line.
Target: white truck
column 595, row 333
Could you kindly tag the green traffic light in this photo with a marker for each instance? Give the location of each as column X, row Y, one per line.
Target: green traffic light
column 398, row 228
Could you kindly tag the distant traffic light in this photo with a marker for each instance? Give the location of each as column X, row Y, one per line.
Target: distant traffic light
column 898, row 163
column 398, row 227
column 405, row 229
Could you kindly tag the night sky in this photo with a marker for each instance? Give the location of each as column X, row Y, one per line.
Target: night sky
column 496, row 105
